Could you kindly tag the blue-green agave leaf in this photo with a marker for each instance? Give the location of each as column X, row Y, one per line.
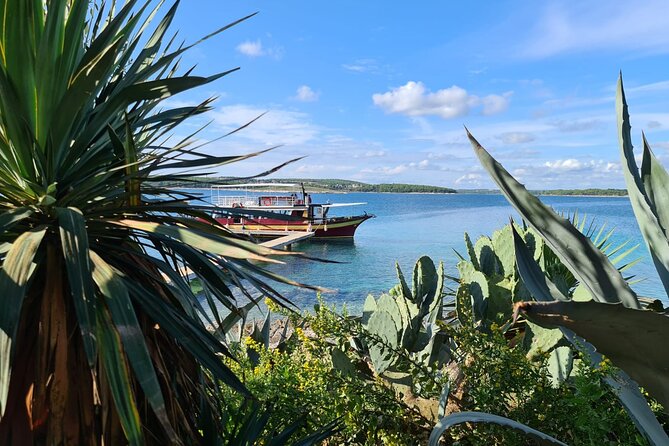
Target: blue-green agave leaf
column 481, row 417
column 647, row 218
column 588, row 264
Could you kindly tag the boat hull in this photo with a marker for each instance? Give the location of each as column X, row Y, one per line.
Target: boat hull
column 337, row 227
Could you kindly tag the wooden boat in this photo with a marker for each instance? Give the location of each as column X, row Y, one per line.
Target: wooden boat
column 273, row 212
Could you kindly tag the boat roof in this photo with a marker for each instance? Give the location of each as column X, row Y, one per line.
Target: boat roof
column 247, row 185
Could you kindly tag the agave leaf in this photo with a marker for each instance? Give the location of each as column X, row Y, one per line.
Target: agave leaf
column 631, row 344
column 123, row 315
column 647, row 217
column 74, row 241
column 589, row 265
column 625, row 389
column 655, row 181
column 539, row 286
column 481, row 417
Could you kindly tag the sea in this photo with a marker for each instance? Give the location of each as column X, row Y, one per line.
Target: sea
column 408, row 226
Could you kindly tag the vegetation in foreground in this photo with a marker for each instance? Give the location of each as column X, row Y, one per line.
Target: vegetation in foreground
column 447, row 353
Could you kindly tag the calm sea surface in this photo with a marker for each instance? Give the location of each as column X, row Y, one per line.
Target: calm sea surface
column 408, row 226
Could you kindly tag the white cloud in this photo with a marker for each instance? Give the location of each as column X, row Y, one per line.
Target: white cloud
column 654, row 124
column 568, row 27
column 413, row 99
column 275, row 127
column 371, row 154
column 385, row 170
column 516, row 137
column 256, row 49
column 568, row 164
column 304, row 93
column 251, row 49
column 362, row 66
column 494, row 104
column 653, row 87
column 470, row 179
column 310, row 169
column 577, row 125
column 401, row 168
column 573, row 165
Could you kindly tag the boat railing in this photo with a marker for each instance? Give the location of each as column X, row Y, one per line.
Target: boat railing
column 228, row 201
column 279, row 200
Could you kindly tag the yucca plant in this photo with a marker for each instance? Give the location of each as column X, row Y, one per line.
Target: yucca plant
column 101, row 337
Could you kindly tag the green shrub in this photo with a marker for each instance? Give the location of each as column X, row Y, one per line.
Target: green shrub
column 500, row 379
column 301, row 382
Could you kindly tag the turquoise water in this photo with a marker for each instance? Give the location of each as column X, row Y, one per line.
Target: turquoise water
column 408, row 226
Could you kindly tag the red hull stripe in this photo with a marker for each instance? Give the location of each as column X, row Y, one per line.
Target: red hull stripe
column 339, row 227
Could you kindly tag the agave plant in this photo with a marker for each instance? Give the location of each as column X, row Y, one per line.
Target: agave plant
column 101, row 337
column 612, row 322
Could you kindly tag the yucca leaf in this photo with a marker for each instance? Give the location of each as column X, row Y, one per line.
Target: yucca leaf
column 235, row 248
column 651, row 229
column 589, row 265
column 118, row 377
column 16, row 272
column 11, row 217
column 196, row 339
column 132, row 338
column 481, row 417
column 74, row 242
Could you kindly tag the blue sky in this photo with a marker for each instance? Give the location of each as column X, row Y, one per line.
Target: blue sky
column 379, row 91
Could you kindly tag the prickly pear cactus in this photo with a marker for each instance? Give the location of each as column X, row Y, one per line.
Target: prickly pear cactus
column 489, row 286
column 381, row 348
column 404, row 319
column 490, row 279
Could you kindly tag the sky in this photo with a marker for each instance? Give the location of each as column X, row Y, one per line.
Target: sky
column 380, row 91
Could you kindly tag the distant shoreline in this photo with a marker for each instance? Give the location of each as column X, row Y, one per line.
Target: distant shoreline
column 458, row 192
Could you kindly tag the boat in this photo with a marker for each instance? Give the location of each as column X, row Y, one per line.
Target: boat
column 270, row 213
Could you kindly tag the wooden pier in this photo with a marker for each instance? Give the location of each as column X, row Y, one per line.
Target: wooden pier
column 284, row 238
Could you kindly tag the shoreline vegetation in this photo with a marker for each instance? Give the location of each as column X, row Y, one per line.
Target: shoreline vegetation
column 346, row 186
